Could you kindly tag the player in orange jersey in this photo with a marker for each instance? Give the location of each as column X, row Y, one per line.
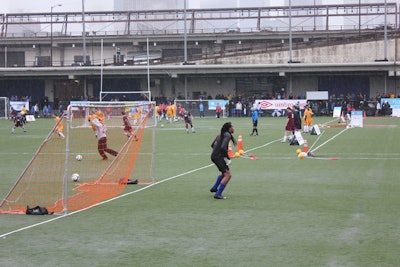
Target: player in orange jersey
column 100, row 115
column 59, row 127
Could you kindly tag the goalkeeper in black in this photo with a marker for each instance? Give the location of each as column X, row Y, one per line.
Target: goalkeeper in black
column 220, row 157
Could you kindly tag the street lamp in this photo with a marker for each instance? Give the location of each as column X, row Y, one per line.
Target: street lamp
column 51, row 33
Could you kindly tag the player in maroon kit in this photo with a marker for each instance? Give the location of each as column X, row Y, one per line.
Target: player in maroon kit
column 100, row 131
column 289, row 128
column 127, row 126
column 187, row 117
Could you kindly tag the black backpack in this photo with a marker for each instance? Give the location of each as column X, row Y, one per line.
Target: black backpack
column 36, row 210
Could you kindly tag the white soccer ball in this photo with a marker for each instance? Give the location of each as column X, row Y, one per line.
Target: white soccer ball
column 79, row 157
column 75, row 177
column 162, row 125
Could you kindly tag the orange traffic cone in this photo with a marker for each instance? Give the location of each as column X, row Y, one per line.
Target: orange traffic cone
column 240, row 143
column 230, row 152
column 305, row 147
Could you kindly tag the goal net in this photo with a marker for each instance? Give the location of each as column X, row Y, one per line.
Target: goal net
column 4, row 108
column 47, row 180
column 193, row 105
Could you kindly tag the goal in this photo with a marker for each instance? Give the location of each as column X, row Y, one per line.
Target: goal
column 193, row 105
column 47, row 180
column 4, row 108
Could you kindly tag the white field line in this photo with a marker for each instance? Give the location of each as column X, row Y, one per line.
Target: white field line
column 103, row 202
column 333, row 137
column 126, row 194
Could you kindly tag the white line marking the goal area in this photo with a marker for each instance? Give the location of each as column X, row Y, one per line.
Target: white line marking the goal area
column 3, row 236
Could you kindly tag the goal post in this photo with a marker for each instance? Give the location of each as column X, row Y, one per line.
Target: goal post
column 47, row 180
column 125, row 95
column 4, row 108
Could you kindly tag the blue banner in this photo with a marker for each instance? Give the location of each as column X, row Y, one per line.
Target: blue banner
column 213, row 103
column 393, row 102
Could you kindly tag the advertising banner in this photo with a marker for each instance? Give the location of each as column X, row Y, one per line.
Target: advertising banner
column 280, row 103
column 213, row 103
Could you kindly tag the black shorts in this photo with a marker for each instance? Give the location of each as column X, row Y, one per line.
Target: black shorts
column 221, row 164
column 255, row 123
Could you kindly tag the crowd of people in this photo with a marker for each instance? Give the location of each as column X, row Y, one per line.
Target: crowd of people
column 237, row 105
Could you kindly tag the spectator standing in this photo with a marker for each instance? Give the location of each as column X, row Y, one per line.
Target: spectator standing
column 218, row 110
column 238, row 109
column 378, row 111
column 36, row 110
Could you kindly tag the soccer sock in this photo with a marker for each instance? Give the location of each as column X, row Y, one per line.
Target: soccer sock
column 220, row 189
column 217, row 182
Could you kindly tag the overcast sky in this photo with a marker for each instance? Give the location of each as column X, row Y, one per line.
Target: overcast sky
column 29, row 6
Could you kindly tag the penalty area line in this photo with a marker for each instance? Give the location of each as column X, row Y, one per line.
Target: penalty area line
column 3, row 236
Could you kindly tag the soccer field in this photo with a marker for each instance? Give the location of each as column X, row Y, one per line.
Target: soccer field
column 340, row 208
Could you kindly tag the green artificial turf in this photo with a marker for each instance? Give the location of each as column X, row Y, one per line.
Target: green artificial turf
column 340, row 208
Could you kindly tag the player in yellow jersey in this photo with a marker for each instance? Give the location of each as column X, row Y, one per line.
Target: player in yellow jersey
column 60, row 127
column 158, row 115
column 174, row 109
column 169, row 113
column 308, row 118
column 100, row 115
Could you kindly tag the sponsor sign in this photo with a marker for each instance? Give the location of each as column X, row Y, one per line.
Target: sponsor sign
column 280, row 103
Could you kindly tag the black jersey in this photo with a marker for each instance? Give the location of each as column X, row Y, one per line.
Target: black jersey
column 187, row 117
column 19, row 120
column 220, row 146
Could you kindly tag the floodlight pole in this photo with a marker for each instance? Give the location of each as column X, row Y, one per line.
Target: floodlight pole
column 385, row 33
column 290, row 32
column 185, row 44
column 185, row 32
column 51, row 33
column 83, row 33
